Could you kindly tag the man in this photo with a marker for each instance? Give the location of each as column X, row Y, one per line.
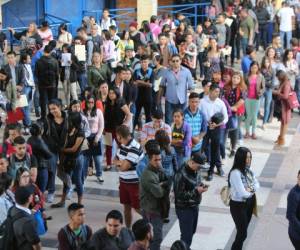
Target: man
column 129, row 154
column 210, row 106
column 277, row 45
column 292, row 213
column 96, row 38
column 14, row 70
column 205, row 86
column 113, row 236
column 137, row 36
column 188, row 189
column 94, row 23
column 144, row 79
column 246, row 30
column 194, row 117
column 24, row 228
column 3, row 165
column 143, row 233
column 263, row 18
column 89, row 46
column 21, row 158
column 154, row 196
column 286, row 15
column 248, row 59
column 113, row 30
column 130, row 60
column 190, row 57
column 3, row 46
column 175, row 83
column 149, row 129
column 47, row 73
column 224, row 31
column 166, row 49
column 106, row 21
column 75, row 234
column 120, row 83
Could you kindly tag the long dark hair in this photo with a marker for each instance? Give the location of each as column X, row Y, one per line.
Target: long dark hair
column 94, row 109
column 19, row 172
column 117, row 93
column 163, row 139
column 240, row 159
column 285, row 56
column 74, row 120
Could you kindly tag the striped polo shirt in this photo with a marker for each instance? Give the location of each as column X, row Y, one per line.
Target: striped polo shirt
column 133, row 153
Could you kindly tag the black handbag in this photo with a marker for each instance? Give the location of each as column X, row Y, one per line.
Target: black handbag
column 217, row 118
column 94, row 149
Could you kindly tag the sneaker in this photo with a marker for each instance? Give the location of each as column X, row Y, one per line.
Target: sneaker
column 100, row 179
column 209, row 177
column 50, row 198
column 26, row 131
column 69, row 194
column 232, row 153
column 206, row 165
column 221, row 172
column 240, row 142
column 58, row 205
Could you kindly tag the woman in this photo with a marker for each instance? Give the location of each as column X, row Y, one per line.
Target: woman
column 109, row 48
column 213, row 60
column 45, row 33
column 69, row 75
column 181, row 137
column 208, row 28
column 116, row 113
column 158, row 74
column 282, row 94
column 291, row 66
column 69, row 157
column 168, row 153
column 87, row 92
column 124, row 42
column 55, row 132
column 268, row 74
column 180, row 33
column 23, row 180
column 6, row 197
column 243, row 185
column 147, row 32
column 201, row 42
column 10, row 89
column 42, row 153
column 154, row 27
column 96, row 125
column 99, row 71
column 133, row 91
column 234, row 93
column 30, row 38
column 255, row 88
column 28, row 88
column 102, row 94
column 64, row 37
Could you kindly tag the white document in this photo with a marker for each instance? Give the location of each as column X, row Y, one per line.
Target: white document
column 21, row 102
column 66, row 59
column 226, row 51
column 228, row 21
column 107, row 139
column 80, row 52
column 157, row 84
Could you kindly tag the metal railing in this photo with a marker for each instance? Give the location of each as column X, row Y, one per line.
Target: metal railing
column 195, row 12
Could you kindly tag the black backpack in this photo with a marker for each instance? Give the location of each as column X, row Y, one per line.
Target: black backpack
column 8, row 240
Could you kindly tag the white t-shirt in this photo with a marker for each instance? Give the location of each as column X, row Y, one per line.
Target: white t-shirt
column 285, row 14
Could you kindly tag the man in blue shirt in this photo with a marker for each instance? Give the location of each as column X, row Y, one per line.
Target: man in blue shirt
column 248, row 59
column 196, row 120
column 175, row 83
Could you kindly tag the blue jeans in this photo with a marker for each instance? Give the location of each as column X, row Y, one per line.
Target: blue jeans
column 27, row 90
column 170, row 108
column 297, row 88
column 36, row 102
column 77, row 173
column 157, row 224
column 42, row 179
column 83, row 81
column 270, row 32
column 188, row 220
column 244, row 44
column 222, row 142
column 288, row 35
column 52, row 174
column 267, row 105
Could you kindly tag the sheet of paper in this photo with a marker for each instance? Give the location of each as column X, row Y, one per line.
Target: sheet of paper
column 228, row 21
column 22, row 101
column 80, row 52
column 226, row 51
column 107, row 139
column 157, row 84
column 66, row 59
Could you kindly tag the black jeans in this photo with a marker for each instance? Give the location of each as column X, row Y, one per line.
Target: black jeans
column 147, row 105
column 295, row 242
column 262, row 36
column 241, row 213
column 201, row 61
column 233, row 136
column 188, row 220
column 45, row 96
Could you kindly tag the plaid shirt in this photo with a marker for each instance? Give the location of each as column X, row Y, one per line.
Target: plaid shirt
column 198, row 124
column 148, row 131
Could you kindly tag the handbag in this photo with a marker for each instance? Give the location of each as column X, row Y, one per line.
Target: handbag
column 232, row 123
column 40, row 224
column 94, row 149
column 293, row 100
column 225, row 195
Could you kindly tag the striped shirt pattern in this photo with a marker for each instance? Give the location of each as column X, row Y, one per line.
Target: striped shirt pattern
column 133, row 153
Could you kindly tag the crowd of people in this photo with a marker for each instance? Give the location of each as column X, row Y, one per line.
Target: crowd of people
column 130, row 96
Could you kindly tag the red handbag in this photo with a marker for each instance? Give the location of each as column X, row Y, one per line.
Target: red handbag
column 293, row 100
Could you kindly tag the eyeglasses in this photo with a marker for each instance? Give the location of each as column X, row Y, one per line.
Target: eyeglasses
column 25, row 176
column 174, row 61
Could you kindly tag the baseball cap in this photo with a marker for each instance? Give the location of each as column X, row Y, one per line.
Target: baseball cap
column 128, row 47
column 23, row 193
column 199, row 158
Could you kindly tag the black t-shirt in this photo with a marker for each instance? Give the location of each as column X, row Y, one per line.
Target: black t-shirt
column 97, row 41
column 27, row 159
column 114, row 115
column 71, row 140
column 2, row 39
column 144, row 93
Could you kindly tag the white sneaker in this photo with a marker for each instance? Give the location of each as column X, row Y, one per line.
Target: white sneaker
column 50, row 198
column 69, row 194
column 100, row 179
column 240, row 142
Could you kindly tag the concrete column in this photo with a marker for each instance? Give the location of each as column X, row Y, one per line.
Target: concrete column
column 145, row 9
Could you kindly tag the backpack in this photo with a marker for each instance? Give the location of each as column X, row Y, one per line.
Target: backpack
column 14, row 167
column 73, row 240
column 7, row 236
